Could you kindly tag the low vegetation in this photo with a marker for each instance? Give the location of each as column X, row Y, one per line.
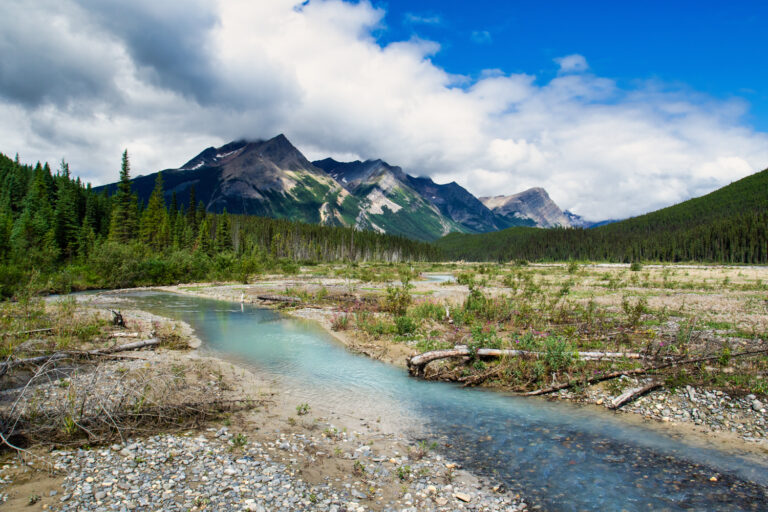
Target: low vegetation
column 554, row 312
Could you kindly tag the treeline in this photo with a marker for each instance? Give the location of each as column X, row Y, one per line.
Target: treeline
column 729, row 225
column 57, row 234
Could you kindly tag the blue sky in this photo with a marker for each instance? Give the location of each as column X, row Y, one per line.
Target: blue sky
column 615, row 108
column 716, row 48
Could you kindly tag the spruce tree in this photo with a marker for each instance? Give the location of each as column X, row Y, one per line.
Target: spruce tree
column 154, row 229
column 66, row 212
column 124, row 222
column 223, row 233
column 204, row 243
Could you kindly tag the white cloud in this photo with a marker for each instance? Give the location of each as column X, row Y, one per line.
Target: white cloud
column 572, row 63
column 421, row 19
column 317, row 74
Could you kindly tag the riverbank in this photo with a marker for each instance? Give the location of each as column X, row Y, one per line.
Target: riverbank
column 274, row 453
column 736, row 422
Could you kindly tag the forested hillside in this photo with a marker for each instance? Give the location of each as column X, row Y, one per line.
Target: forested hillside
column 729, row 225
column 56, row 234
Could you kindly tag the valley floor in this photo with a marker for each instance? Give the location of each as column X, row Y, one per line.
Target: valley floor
column 247, row 445
column 259, row 450
column 662, row 311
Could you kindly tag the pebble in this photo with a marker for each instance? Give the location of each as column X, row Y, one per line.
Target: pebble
column 713, row 409
column 210, row 473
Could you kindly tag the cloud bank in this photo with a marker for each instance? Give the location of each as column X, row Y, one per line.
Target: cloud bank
column 83, row 79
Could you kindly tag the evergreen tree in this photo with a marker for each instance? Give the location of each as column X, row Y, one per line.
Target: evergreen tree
column 33, row 239
column 223, row 233
column 154, row 229
column 124, row 223
column 191, row 211
column 66, row 212
column 204, row 243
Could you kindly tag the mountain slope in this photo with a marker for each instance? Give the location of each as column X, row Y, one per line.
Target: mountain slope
column 268, row 178
column 451, row 200
column 272, row 178
column 387, row 201
column 532, row 207
column 728, row 225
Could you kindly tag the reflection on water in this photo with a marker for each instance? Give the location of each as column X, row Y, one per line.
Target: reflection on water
column 560, row 456
column 439, row 278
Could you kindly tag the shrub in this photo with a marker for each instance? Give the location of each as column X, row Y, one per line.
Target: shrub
column 558, row 353
column 405, row 325
column 398, row 299
column 428, row 310
column 340, row 322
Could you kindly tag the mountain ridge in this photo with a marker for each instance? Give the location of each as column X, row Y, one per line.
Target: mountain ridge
column 273, row 178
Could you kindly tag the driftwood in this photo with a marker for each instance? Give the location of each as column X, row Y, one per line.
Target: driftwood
column 631, row 394
column 417, row 363
column 124, row 335
column 639, row 371
column 279, row 298
column 4, row 367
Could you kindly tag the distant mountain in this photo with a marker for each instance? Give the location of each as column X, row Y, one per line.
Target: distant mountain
column 268, row 178
column 272, row 178
column 577, row 221
column 532, row 207
column 729, row 225
column 445, row 208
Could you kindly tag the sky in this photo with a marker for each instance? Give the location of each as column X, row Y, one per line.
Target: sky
column 615, row 108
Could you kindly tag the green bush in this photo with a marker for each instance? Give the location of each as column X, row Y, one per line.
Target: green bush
column 558, row 353
column 405, row 325
column 428, row 310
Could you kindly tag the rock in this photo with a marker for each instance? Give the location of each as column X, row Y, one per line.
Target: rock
column 462, row 496
column 757, row 405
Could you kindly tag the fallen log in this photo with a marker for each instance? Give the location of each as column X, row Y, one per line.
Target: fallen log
column 4, row 367
column 417, row 363
column 632, row 394
column 639, row 371
column 279, row 298
column 124, row 335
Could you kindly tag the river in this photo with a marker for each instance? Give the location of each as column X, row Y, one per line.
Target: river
column 558, row 456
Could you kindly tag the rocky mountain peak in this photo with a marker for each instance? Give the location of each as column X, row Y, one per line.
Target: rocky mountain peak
column 533, row 205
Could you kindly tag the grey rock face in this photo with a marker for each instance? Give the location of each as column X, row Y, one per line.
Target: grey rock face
column 533, row 204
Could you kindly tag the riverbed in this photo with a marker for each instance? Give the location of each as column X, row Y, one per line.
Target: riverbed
column 558, row 455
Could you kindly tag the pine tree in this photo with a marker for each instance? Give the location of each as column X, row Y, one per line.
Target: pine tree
column 124, row 222
column 223, row 233
column 191, row 211
column 66, row 215
column 33, row 239
column 204, row 243
column 154, row 229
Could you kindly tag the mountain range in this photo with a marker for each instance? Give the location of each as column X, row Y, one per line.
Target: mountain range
column 272, row 178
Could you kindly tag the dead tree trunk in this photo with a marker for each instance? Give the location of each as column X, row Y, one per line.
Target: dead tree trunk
column 417, row 363
column 632, row 394
column 4, row 367
column 279, row 298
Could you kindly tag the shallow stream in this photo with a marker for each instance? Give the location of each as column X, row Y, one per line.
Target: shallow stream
column 558, row 456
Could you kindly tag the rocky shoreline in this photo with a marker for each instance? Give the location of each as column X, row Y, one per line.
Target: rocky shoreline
column 269, row 458
column 712, row 416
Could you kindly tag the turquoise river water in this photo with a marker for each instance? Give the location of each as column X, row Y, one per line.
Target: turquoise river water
column 559, row 456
